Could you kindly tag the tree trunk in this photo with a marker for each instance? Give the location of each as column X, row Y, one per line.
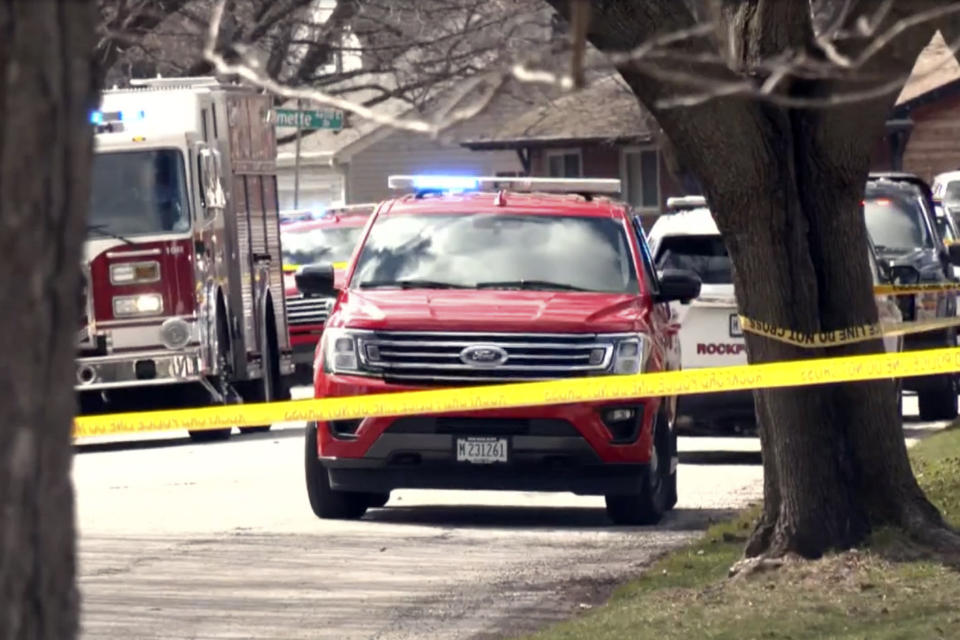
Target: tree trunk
column 45, row 148
column 785, row 184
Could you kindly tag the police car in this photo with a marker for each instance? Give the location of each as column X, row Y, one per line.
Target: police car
column 710, row 335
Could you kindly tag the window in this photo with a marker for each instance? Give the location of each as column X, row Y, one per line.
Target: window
column 138, row 193
column 564, row 164
column 705, row 255
column 497, row 251
column 895, row 220
column 641, row 169
column 311, row 245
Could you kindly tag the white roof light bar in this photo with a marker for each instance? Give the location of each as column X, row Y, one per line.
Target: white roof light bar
column 678, row 203
column 493, row 183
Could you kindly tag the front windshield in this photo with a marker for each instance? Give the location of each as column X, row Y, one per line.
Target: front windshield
column 951, row 194
column 896, row 221
column 308, row 246
column 705, row 255
column 138, row 193
column 497, row 251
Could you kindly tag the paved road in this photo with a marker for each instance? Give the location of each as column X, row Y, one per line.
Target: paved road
column 180, row 540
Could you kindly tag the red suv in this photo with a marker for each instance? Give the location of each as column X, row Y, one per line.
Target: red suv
column 483, row 285
column 331, row 238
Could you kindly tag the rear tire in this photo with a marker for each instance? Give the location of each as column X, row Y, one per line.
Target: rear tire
column 940, row 404
column 327, row 503
column 659, row 487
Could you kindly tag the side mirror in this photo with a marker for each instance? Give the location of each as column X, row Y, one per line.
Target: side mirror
column 316, row 280
column 903, row 274
column 954, row 251
column 678, row 284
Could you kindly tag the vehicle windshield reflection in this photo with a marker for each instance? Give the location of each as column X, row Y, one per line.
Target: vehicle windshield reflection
column 138, row 193
column 896, row 221
column 516, row 251
column 308, row 246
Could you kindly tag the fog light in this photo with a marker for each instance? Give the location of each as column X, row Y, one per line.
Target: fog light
column 623, row 423
column 344, row 429
column 618, row 415
column 175, row 333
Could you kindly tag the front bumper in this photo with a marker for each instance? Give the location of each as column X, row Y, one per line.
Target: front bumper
column 530, row 475
column 137, row 370
column 571, row 436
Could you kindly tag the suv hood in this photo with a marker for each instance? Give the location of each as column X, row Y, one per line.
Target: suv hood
column 489, row 310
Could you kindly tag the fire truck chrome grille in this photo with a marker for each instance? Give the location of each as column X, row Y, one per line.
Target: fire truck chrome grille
column 305, row 311
column 464, row 358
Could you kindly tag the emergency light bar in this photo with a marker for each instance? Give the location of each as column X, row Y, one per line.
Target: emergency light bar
column 679, row 203
column 492, row 183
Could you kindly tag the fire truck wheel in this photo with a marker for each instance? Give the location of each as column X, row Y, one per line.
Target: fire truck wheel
column 325, row 502
column 271, row 387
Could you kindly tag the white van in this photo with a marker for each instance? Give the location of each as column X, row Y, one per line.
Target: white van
column 710, row 335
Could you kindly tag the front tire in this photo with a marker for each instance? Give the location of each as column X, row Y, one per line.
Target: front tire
column 940, row 404
column 658, row 493
column 328, row 503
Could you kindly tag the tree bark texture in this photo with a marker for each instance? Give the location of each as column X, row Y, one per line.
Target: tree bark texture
column 45, row 149
column 784, row 181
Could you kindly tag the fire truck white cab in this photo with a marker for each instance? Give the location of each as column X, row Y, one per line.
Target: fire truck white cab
column 183, row 299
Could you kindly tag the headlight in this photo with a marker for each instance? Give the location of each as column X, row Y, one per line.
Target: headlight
column 134, row 273
column 630, row 355
column 175, row 333
column 340, row 351
column 147, row 304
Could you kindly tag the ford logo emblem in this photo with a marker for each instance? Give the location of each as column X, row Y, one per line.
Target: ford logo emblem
column 483, row 356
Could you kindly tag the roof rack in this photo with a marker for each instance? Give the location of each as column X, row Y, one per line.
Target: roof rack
column 434, row 184
column 682, row 203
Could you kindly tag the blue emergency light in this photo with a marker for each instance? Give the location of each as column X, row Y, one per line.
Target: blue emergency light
column 96, row 117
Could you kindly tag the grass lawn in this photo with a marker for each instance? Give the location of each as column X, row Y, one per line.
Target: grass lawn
column 884, row 591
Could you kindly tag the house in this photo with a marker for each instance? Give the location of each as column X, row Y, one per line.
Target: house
column 923, row 130
column 598, row 132
column 353, row 165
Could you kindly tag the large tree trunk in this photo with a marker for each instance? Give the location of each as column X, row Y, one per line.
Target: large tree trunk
column 785, row 185
column 45, row 147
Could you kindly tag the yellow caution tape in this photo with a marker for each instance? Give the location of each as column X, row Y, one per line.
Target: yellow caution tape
column 931, row 287
column 850, row 335
column 455, row 400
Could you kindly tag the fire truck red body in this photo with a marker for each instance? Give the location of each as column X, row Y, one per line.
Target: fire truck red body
column 183, row 299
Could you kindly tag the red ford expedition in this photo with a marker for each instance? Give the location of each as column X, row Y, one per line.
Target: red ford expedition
column 331, row 238
column 475, row 281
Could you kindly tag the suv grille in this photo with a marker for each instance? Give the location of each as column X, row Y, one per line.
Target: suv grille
column 301, row 310
column 482, row 357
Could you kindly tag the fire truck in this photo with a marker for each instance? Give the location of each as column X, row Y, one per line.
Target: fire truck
column 183, row 298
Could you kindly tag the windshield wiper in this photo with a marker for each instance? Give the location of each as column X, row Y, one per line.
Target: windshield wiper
column 529, row 284
column 104, row 229
column 411, row 284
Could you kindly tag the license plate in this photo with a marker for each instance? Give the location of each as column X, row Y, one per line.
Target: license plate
column 481, row 450
column 735, row 330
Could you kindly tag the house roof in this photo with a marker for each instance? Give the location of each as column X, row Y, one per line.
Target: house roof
column 936, row 67
column 604, row 110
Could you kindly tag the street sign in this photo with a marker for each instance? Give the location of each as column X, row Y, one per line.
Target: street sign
column 310, row 118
